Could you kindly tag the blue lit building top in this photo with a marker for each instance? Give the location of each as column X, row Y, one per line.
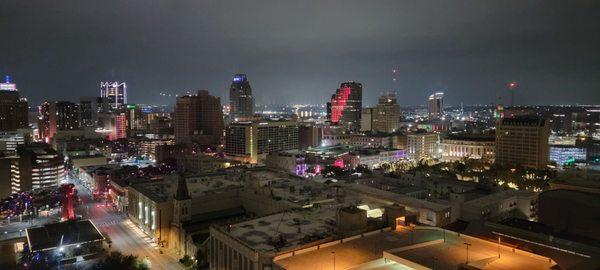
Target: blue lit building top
column 239, row 78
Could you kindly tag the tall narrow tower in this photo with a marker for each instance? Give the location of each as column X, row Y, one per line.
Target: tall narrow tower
column 435, row 105
column 13, row 109
column 182, row 206
column 241, row 101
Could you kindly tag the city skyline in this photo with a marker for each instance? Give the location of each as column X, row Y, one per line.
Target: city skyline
column 469, row 51
column 231, row 135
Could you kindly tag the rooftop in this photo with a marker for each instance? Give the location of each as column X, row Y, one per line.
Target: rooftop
column 463, row 137
column 158, row 191
column 72, row 233
column 422, row 246
column 451, row 254
column 197, row 185
column 498, row 196
column 286, row 230
column 397, row 198
column 523, row 121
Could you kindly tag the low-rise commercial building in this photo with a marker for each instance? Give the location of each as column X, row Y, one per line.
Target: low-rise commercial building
column 495, row 206
column 566, row 154
column 456, row 148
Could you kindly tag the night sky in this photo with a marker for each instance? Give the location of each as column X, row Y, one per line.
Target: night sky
column 299, row 51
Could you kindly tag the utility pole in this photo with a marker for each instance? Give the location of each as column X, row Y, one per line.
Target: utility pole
column 467, row 245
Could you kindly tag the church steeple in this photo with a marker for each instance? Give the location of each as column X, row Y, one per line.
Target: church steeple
column 182, row 190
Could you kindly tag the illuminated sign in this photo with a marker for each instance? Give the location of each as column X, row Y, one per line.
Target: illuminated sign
column 8, row 87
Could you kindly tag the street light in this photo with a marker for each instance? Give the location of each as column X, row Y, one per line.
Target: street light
column 498, row 246
column 467, row 245
column 333, row 252
column 444, row 232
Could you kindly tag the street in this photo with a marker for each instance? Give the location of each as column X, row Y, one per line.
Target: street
column 114, row 225
column 125, row 236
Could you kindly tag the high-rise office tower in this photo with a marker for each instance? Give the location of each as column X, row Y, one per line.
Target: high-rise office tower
column 45, row 131
column 522, row 141
column 199, row 118
column 66, row 116
column 55, row 116
column 13, row 109
column 119, row 126
column 241, row 102
column 136, row 119
column 366, row 119
column 251, row 141
column 115, row 92
column 435, row 105
column 386, row 115
column 346, row 106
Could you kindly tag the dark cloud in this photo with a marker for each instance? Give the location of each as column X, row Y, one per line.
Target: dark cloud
column 299, row 51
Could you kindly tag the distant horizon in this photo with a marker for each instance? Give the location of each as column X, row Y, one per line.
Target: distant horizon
column 302, row 51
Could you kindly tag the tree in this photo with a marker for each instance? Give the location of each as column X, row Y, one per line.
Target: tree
column 186, row 261
column 116, row 260
column 363, row 169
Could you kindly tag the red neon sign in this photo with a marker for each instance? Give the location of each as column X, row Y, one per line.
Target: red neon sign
column 338, row 103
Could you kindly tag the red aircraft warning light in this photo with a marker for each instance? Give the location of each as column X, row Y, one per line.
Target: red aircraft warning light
column 512, row 86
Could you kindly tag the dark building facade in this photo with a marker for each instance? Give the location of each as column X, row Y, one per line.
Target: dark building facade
column 386, row 115
column 522, row 141
column 199, row 118
column 241, row 101
column 309, row 135
column 13, row 109
column 89, row 107
column 55, row 116
column 346, row 106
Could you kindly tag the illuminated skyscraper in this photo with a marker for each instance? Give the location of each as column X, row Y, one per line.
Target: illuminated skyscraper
column 346, row 105
column 115, row 92
column 120, row 126
column 435, row 105
column 241, row 101
column 386, row 115
column 13, row 109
